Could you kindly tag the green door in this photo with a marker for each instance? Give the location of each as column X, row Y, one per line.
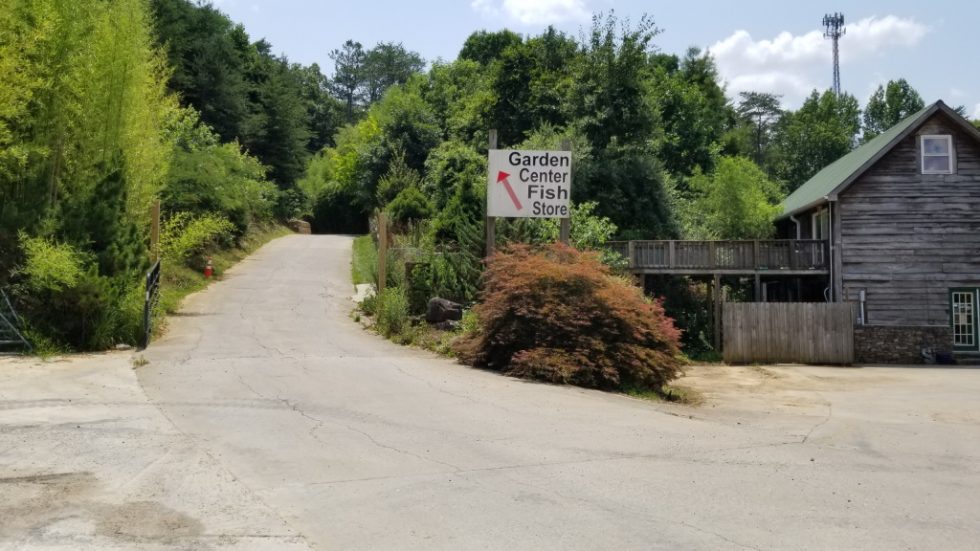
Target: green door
column 963, row 313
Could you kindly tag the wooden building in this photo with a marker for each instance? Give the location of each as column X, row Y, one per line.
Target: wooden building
column 893, row 226
column 902, row 216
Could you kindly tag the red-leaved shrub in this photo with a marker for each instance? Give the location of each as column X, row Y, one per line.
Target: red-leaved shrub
column 559, row 315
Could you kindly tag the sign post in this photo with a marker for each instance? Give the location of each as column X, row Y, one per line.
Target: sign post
column 491, row 221
column 565, row 225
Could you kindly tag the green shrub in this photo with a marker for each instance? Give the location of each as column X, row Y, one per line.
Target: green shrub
column 410, row 205
column 394, row 268
column 418, row 283
column 208, row 176
column 50, row 266
column 392, row 312
column 560, row 315
column 184, row 235
column 470, row 324
column 369, row 305
column 95, row 313
column 293, row 203
column 589, row 231
column 68, row 304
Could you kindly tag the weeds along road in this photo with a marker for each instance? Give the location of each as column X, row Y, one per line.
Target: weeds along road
column 361, row 444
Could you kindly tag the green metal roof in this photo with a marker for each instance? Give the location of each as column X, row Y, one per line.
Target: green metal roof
column 848, row 167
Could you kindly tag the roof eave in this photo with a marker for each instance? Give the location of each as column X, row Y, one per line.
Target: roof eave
column 884, row 150
column 939, row 105
column 804, row 208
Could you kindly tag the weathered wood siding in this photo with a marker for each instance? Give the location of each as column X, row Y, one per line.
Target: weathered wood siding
column 794, row 332
column 908, row 237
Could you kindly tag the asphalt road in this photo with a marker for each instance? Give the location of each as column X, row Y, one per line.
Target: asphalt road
column 361, row 444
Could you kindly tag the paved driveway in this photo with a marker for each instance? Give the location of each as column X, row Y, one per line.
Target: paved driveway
column 355, row 443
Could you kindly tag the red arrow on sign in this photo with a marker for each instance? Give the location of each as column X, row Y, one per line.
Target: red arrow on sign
column 502, row 178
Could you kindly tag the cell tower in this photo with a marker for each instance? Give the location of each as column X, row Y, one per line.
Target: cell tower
column 834, row 29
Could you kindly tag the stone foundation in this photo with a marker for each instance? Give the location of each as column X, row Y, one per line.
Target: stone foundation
column 883, row 344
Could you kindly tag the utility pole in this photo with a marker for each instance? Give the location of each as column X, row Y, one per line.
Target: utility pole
column 834, row 29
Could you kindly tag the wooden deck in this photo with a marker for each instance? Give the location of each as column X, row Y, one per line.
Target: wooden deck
column 789, row 257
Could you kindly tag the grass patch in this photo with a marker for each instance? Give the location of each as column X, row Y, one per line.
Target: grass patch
column 178, row 281
column 365, row 256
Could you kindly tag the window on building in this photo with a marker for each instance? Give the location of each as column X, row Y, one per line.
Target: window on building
column 820, row 224
column 937, row 154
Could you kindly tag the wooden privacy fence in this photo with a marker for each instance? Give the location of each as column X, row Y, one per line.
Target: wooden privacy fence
column 789, row 332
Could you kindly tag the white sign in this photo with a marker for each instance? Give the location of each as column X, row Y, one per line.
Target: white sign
column 529, row 184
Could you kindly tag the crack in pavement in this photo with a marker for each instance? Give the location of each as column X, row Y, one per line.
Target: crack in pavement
column 830, row 413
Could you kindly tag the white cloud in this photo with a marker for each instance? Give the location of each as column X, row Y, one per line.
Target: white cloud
column 976, row 111
column 873, row 35
column 533, row 12
column 792, row 65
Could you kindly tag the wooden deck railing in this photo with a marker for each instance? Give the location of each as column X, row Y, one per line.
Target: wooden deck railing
column 724, row 256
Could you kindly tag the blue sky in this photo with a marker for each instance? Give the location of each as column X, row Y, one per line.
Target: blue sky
column 766, row 46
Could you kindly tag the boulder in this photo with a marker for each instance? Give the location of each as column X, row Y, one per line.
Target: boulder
column 441, row 309
column 300, row 226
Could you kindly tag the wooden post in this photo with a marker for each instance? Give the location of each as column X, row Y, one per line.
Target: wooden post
column 491, row 222
column 155, row 230
column 382, row 251
column 671, row 254
column 758, row 287
column 631, row 254
column 716, row 317
column 755, row 255
column 565, row 225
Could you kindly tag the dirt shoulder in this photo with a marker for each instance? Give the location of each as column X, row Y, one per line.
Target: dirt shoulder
column 941, row 401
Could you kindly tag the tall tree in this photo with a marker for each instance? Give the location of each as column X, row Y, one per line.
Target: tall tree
column 693, row 111
column 277, row 130
column 820, row 132
column 325, row 112
column 888, row 105
column 349, row 76
column 762, row 111
column 609, row 97
column 736, row 201
column 386, row 65
column 484, row 47
column 531, row 80
column 207, row 53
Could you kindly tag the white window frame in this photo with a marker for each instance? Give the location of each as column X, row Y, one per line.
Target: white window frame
column 949, row 153
column 815, row 222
